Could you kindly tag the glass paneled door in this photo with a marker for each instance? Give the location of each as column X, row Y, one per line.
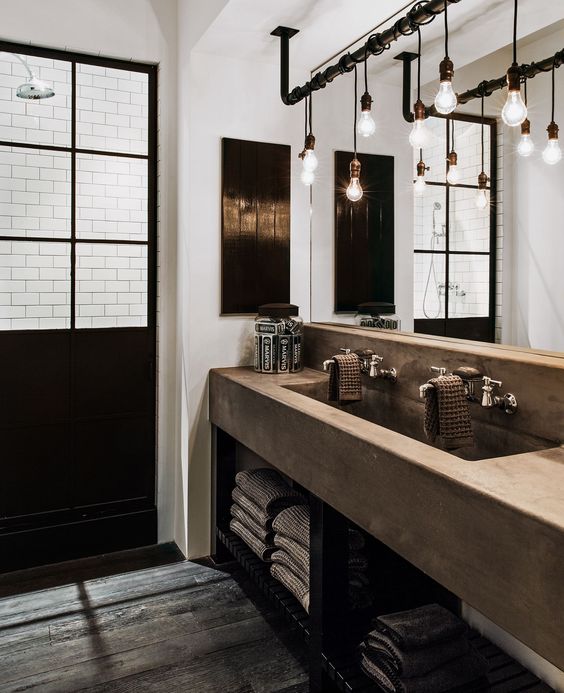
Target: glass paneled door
column 77, row 305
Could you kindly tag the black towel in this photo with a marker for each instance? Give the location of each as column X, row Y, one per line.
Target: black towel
column 421, row 627
column 458, row 672
column 447, row 414
column 344, row 379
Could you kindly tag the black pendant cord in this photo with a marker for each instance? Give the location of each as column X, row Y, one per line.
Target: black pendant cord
column 366, row 75
column 446, row 28
column 515, row 33
column 452, row 148
column 305, row 123
column 418, row 64
column 525, row 91
column 482, row 129
column 553, row 88
column 420, row 154
column 355, row 107
column 310, row 115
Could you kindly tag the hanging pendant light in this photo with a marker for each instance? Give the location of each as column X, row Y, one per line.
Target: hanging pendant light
column 420, row 185
column 514, row 111
column 552, row 152
column 354, row 190
column 482, row 194
column 445, row 100
column 453, row 172
column 419, row 136
column 308, row 157
column 366, row 125
column 526, row 145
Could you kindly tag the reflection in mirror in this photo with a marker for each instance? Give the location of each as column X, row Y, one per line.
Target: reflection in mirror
column 461, row 272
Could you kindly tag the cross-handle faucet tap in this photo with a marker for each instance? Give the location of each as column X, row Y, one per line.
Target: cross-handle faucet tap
column 489, row 400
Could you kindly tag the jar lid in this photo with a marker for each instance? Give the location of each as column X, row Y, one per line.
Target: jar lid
column 376, row 308
column 278, row 310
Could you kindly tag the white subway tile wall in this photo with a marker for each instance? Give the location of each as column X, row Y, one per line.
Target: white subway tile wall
column 112, row 109
column 34, row 285
column 429, row 284
column 35, row 193
column 468, row 286
column 111, row 285
column 112, row 195
column 42, row 121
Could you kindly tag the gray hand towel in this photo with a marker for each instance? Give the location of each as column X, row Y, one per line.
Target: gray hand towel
column 294, row 523
column 344, row 379
column 264, row 519
column 285, row 559
column 267, row 489
column 420, row 627
column 447, row 413
column 292, row 582
column 458, row 672
column 262, row 550
column 418, row 662
column 297, row 551
column 245, row 519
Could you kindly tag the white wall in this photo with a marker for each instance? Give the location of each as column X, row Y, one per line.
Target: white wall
column 332, row 126
column 241, row 100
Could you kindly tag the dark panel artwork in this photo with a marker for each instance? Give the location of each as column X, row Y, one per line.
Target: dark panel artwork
column 255, row 225
column 364, row 233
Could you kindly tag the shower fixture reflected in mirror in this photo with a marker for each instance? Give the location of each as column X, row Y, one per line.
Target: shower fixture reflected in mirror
column 34, row 88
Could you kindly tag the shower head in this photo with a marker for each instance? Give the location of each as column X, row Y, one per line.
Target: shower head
column 35, row 89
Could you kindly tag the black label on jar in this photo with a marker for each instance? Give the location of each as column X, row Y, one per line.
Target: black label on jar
column 297, row 352
column 284, row 354
column 267, row 349
column 266, row 328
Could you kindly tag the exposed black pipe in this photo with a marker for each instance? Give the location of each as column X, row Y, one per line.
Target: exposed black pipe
column 422, row 13
column 526, row 71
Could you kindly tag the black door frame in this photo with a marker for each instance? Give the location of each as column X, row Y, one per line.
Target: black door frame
column 112, row 526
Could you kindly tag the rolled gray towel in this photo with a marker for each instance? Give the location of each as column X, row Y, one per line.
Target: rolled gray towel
column 267, row 489
column 259, row 516
column 262, row 550
column 245, row 519
column 292, row 582
column 420, row 627
column 298, row 553
column 458, row 672
column 416, row 662
column 294, row 523
column 285, row 559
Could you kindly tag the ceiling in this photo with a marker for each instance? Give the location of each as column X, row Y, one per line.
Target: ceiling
column 476, row 27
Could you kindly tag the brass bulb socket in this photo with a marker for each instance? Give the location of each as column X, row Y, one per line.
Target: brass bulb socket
column 446, row 70
column 482, row 181
column 552, row 130
column 366, row 102
column 309, row 142
column 526, row 127
column 419, row 110
column 355, row 168
column 514, row 78
column 421, row 168
column 452, row 158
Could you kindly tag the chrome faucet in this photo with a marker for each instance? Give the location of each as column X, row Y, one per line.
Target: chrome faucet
column 370, row 363
column 488, row 399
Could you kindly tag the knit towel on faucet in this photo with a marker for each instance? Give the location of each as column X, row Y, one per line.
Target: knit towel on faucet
column 447, row 413
column 344, row 379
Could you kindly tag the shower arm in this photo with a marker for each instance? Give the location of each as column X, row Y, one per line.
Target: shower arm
column 23, row 62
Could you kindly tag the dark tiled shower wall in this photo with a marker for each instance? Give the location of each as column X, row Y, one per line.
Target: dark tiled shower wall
column 536, row 379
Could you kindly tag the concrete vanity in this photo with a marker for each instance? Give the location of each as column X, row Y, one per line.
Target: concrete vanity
column 490, row 530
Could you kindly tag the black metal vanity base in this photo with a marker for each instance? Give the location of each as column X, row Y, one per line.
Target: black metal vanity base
column 506, row 675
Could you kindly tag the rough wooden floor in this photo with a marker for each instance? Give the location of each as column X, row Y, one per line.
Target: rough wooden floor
column 151, row 627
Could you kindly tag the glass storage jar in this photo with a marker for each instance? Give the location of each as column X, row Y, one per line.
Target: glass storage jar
column 379, row 315
column 278, row 338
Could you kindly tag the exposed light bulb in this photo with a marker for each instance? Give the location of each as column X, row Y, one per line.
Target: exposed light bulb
column 482, row 199
column 419, row 135
column 354, row 190
column 514, row 111
column 445, row 101
column 307, row 177
column 453, row 175
column 526, row 146
column 419, row 186
column 366, row 125
column 310, row 161
column 552, row 152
